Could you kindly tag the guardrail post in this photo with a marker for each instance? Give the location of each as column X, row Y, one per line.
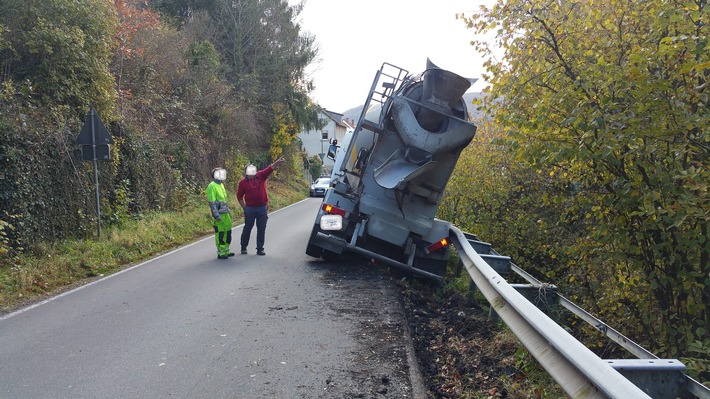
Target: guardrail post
column 660, row 378
column 459, row 268
column 544, row 296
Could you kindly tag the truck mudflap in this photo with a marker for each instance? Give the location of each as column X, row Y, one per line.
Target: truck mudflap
column 373, row 255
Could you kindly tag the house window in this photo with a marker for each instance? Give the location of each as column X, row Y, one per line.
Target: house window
column 324, row 135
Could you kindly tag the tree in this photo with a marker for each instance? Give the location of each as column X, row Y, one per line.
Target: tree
column 510, row 205
column 315, row 167
column 178, row 113
column 181, row 11
column 55, row 57
column 614, row 94
column 264, row 54
column 58, row 51
column 133, row 19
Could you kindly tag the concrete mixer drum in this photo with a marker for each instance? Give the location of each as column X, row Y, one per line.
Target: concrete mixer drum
column 391, row 171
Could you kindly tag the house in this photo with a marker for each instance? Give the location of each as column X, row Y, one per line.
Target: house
column 316, row 142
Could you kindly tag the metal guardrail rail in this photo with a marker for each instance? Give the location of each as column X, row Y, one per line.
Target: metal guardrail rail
column 580, row 372
column 691, row 385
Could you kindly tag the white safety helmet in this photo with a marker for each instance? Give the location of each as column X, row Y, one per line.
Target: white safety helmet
column 219, row 174
column 250, row 170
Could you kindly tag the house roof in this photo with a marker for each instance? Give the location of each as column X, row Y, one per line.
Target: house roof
column 335, row 117
column 349, row 123
column 339, row 119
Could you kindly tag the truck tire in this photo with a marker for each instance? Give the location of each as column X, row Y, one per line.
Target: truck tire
column 314, row 250
column 330, row 255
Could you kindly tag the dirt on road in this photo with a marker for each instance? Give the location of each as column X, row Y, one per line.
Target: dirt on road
column 454, row 350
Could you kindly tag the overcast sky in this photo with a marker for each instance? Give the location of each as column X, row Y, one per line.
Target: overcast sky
column 355, row 37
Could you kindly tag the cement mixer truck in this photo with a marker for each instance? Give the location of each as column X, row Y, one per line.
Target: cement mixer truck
column 389, row 174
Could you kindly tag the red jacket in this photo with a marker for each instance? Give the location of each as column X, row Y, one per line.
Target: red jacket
column 253, row 191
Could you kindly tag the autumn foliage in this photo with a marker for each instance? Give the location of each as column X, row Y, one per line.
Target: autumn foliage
column 181, row 86
column 594, row 172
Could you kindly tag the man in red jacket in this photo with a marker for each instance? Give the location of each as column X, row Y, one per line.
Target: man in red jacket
column 251, row 194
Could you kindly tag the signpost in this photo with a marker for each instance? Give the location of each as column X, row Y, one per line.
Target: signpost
column 95, row 141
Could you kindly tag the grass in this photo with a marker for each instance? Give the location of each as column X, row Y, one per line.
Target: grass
column 52, row 268
column 524, row 377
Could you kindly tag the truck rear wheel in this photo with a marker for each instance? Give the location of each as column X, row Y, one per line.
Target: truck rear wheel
column 312, row 249
column 317, row 251
column 330, row 255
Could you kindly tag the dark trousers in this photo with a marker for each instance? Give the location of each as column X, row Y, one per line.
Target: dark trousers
column 258, row 215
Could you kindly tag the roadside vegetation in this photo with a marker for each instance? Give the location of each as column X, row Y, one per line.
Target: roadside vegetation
column 593, row 170
column 462, row 351
column 181, row 88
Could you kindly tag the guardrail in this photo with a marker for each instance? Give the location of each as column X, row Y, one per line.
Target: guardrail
column 580, row 372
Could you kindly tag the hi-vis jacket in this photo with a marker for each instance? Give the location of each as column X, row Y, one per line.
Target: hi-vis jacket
column 217, row 198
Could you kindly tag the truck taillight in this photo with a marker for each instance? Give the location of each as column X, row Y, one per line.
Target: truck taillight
column 437, row 245
column 333, row 210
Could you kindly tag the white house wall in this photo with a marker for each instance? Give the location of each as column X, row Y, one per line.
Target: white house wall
column 315, row 144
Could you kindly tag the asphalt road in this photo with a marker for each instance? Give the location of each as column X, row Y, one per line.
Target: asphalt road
column 187, row 325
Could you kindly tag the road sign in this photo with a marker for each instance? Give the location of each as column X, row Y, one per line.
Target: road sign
column 94, row 139
column 103, row 152
column 94, row 131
